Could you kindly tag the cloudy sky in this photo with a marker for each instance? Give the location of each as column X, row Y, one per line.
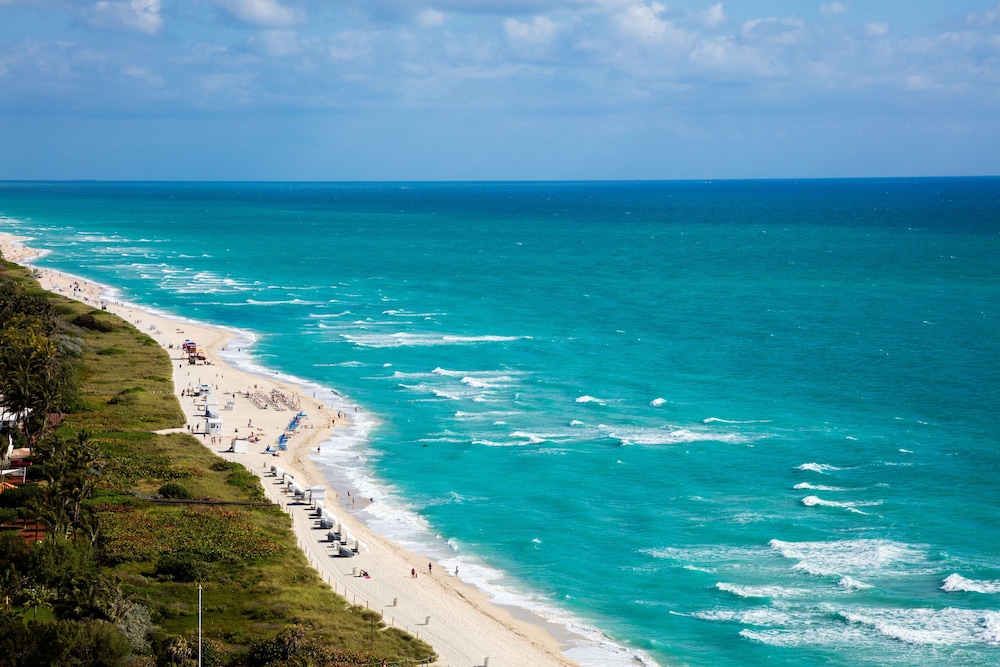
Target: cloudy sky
column 498, row 89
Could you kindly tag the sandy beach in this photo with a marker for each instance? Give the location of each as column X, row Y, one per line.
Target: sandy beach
column 462, row 625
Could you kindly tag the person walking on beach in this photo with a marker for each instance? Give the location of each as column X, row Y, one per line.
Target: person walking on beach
column 429, row 567
column 413, row 573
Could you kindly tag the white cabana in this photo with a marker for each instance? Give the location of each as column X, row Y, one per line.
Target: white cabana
column 213, row 425
column 316, row 494
column 327, row 519
column 240, row 446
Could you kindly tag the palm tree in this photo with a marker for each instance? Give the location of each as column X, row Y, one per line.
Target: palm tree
column 36, row 596
column 11, row 584
column 178, row 648
column 69, row 467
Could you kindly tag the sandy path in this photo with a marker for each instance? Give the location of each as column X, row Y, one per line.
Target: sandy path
column 456, row 619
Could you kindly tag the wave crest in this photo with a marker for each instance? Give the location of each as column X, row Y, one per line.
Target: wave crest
column 955, row 583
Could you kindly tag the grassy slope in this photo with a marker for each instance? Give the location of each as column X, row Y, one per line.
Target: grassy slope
column 260, row 582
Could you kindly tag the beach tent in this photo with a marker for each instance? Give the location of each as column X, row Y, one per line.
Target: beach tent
column 213, row 425
column 240, row 446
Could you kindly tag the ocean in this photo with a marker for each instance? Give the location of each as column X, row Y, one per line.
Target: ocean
column 701, row 423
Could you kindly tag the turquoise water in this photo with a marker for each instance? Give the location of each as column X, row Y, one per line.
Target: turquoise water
column 734, row 423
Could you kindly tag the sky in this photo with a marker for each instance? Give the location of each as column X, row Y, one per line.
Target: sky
column 498, row 89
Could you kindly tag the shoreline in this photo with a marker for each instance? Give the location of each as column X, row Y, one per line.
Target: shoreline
column 460, row 621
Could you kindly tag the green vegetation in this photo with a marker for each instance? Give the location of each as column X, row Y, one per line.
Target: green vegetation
column 113, row 576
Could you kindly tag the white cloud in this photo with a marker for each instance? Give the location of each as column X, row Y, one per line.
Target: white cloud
column 987, row 18
column 919, row 83
column 352, row 47
column 133, row 16
column 539, row 32
column 644, row 23
column 714, row 16
column 834, row 8
column 144, row 74
column 726, row 56
column 277, row 43
column 773, row 30
column 430, row 18
column 263, row 13
column 877, row 29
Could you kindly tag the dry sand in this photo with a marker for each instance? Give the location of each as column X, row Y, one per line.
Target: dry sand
column 458, row 620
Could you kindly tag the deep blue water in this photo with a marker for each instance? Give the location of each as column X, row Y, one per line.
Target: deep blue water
column 732, row 423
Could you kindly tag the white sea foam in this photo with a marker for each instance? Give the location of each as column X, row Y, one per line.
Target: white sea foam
column 809, row 635
column 852, row 584
column 761, row 591
column 532, row 438
column 766, row 616
column 464, row 415
column 695, row 568
column 955, row 583
column 701, row 558
column 497, row 443
column 815, row 487
column 814, row 501
column 341, row 364
column 947, row 627
column 409, row 376
column 668, row 435
column 402, row 339
column 322, row 316
column 286, row 302
column 435, row 390
column 736, row 421
column 590, row 399
column 398, row 312
column 489, row 382
column 657, row 402
column 821, row 468
column 851, row 557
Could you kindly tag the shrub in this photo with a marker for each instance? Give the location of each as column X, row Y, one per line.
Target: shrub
column 123, row 398
column 110, row 351
column 183, row 565
column 175, row 490
column 89, row 321
column 21, row 495
column 243, row 479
